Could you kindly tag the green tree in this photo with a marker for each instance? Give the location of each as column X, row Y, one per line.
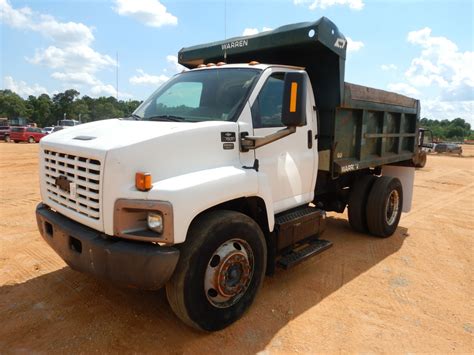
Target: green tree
column 12, row 105
column 63, row 103
column 80, row 111
column 40, row 107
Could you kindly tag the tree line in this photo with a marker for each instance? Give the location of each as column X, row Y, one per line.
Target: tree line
column 45, row 110
column 445, row 130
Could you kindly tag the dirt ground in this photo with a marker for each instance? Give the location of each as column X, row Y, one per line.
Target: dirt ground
column 410, row 293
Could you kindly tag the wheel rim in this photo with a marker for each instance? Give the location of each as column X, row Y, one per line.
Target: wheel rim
column 228, row 273
column 391, row 207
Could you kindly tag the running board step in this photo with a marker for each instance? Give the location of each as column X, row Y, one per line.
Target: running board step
column 296, row 256
column 298, row 224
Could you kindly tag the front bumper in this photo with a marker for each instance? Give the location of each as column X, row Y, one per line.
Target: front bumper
column 140, row 265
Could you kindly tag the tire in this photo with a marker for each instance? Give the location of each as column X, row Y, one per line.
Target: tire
column 213, row 239
column 16, row 141
column 358, row 201
column 384, row 206
column 31, row 140
column 421, row 162
column 7, row 139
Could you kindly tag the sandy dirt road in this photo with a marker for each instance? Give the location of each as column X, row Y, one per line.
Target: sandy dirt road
column 413, row 292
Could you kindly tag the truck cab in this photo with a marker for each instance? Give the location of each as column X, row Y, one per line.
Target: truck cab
column 227, row 171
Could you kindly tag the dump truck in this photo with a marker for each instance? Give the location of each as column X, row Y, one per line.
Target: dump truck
column 228, row 170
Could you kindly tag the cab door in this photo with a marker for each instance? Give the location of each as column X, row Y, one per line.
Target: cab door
column 288, row 163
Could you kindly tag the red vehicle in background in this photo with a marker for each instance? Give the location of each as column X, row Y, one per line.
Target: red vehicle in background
column 26, row 134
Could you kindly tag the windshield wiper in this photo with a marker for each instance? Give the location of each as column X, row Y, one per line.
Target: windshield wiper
column 165, row 118
column 135, row 116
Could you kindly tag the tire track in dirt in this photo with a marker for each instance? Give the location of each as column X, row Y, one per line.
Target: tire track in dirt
column 440, row 202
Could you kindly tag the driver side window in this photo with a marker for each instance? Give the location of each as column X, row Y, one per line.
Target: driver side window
column 266, row 110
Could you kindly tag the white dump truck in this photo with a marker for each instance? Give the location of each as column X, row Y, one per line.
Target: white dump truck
column 227, row 172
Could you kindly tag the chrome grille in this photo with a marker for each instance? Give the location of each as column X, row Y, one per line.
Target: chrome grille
column 82, row 173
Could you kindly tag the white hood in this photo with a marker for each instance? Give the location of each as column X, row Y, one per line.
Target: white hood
column 101, row 136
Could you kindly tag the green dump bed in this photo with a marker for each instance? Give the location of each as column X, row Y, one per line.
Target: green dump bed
column 359, row 127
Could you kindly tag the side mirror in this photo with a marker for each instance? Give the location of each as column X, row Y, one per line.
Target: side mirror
column 293, row 113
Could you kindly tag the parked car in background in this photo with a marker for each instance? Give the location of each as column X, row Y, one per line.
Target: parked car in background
column 47, row 130
column 448, row 148
column 26, row 134
column 57, row 128
column 5, row 133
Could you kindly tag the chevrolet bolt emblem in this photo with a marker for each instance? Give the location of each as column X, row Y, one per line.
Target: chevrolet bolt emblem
column 63, row 183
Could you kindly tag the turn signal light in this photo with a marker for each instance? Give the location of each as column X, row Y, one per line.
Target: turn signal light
column 294, row 90
column 143, row 181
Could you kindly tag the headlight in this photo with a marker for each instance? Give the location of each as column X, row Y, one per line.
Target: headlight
column 155, row 222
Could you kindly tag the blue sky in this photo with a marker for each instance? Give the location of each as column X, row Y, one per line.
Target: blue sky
column 423, row 49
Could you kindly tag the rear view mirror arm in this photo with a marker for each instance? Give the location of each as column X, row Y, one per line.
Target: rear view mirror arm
column 254, row 142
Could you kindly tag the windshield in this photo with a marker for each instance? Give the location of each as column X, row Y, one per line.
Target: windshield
column 203, row 95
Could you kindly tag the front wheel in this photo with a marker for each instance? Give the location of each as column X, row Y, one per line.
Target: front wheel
column 220, row 270
column 31, row 140
column 7, row 139
column 384, row 206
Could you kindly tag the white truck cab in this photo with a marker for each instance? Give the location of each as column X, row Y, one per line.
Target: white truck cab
column 220, row 176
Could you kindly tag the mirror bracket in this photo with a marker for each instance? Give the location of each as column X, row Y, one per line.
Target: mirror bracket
column 254, row 142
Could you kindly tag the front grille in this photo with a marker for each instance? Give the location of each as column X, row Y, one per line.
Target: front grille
column 83, row 176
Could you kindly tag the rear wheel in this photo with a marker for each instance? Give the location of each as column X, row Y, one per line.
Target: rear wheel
column 384, row 206
column 7, row 139
column 220, row 269
column 358, row 202
column 16, row 141
column 31, row 140
column 421, row 160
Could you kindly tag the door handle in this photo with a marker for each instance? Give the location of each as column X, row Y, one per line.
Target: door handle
column 310, row 139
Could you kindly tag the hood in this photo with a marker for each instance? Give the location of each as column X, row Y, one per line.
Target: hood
column 176, row 147
column 99, row 137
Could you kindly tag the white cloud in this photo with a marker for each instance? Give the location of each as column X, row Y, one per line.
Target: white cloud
column 22, row 88
column 437, row 109
column 146, row 79
column 442, row 75
column 71, row 55
column 404, row 88
column 388, row 67
column 63, row 32
column 48, row 26
column 17, row 18
column 76, row 78
column 150, row 12
column 143, row 78
column 250, row 31
column 354, row 46
column 104, row 90
column 72, row 59
column 254, row 31
column 173, row 61
column 442, row 65
column 324, row 4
